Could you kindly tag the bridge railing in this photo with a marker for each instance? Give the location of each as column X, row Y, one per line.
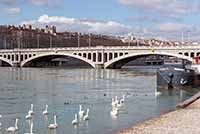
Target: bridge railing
column 101, row 47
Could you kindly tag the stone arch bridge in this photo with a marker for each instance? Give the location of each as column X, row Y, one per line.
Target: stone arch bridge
column 97, row 57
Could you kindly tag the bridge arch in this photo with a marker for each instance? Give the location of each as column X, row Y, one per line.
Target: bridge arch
column 132, row 55
column 7, row 61
column 23, row 63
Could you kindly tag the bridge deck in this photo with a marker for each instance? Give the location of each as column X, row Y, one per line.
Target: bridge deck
column 100, row 56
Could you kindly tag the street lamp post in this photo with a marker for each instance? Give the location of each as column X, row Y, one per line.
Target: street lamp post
column 38, row 41
column 89, row 40
column 5, row 43
column 137, row 40
column 50, row 41
column 19, row 40
column 129, row 40
column 78, row 40
column 17, row 57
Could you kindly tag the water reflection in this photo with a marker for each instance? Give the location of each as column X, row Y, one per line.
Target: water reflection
column 64, row 89
column 73, row 74
column 46, row 121
column 52, row 131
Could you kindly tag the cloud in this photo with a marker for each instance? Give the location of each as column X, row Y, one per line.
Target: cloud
column 49, row 3
column 8, row 2
column 145, row 18
column 173, row 27
column 10, row 7
column 80, row 25
column 165, row 30
column 12, row 10
column 165, row 8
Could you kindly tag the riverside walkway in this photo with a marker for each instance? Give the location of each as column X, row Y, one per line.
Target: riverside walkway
column 181, row 121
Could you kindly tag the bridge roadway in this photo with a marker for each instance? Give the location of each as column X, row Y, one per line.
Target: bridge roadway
column 97, row 57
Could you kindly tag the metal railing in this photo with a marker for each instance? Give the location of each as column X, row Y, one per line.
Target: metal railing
column 103, row 47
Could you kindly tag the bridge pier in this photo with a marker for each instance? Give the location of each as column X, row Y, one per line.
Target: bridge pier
column 16, row 64
column 99, row 66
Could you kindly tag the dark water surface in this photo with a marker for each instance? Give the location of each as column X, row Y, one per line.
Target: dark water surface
column 89, row 87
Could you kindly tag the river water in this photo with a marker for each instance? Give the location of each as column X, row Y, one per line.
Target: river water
column 64, row 89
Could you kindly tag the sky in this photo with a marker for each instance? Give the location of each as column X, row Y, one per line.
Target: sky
column 159, row 19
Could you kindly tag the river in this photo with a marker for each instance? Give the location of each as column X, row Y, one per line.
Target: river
column 65, row 89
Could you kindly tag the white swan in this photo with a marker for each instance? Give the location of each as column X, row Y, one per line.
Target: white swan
column 114, row 112
column 113, row 102
column 75, row 121
column 81, row 113
column 157, row 93
column 31, row 111
column 116, row 100
column 183, row 81
column 31, row 129
column 29, row 116
column 45, row 112
column 55, row 125
column 122, row 99
column 86, row 116
column 13, row 129
column 120, row 104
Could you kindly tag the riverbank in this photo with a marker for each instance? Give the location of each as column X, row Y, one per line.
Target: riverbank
column 181, row 121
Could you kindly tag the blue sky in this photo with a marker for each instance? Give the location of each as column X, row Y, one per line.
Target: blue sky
column 161, row 19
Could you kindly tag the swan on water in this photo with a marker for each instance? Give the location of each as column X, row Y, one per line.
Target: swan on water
column 45, row 112
column 13, row 129
column 114, row 111
column 116, row 100
column 75, row 121
column 113, row 102
column 120, row 102
column 183, row 81
column 122, row 99
column 86, row 116
column 29, row 116
column 157, row 93
column 119, row 105
column 55, row 125
column 31, row 111
column 81, row 112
